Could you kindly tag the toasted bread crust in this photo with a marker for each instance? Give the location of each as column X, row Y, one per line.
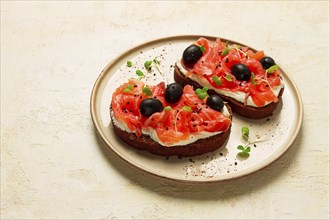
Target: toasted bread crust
column 198, row 147
column 236, row 106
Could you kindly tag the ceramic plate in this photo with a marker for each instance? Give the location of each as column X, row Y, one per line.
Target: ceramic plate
column 279, row 131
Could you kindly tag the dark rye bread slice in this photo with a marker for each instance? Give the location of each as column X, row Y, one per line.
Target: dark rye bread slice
column 236, row 106
column 199, row 147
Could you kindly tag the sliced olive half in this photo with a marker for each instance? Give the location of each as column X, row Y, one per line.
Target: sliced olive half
column 192, row 54
column 241, row 72
column 267, row 62
column 215, row 102
column 173, row 92
column 149, row 106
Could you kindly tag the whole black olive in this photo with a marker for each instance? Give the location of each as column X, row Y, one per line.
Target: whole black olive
column 267, row 62
column 215, row 102
column 241, row 72
column 192, row 53
column 149, row 106
column 173, row 92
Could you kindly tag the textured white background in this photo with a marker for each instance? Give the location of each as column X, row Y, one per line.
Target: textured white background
column 53, row 166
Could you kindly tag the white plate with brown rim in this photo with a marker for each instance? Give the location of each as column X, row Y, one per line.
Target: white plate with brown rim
column 279, row 131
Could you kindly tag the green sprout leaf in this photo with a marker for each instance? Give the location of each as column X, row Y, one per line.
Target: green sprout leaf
column 245, row 133
column 226, row 51
column 198, row 90
column 156, row 61
column 244, row 154
column 228, row 78
column 244, row 151
column 157, row 65
column 148, row 64
column 240, row 147
column 128, row 89
column 168, row 108
column 202, row 48
column 139, row 73
column 272, row 69
column 201, row 93
column 202, row 96
column 129, row 63
column 147, row 91
column 217, row 80
column 186, row 108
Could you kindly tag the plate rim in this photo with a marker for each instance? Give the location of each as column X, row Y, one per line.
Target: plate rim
column 249, row 171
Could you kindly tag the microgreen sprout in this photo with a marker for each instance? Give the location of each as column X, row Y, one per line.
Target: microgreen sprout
column 186, row 108
column 228, row 78
column 128, row 89
column 272, row 69
column 139, row 73
column 156, row 61
column 226, row 50
column 202, row 48
column 245, row 150
column 168, row 108
column 157, row 65
column 217, row 80
column 129, row 63
column 147, row 91
column 201, row 93
column 245, row 133
column 148, row 64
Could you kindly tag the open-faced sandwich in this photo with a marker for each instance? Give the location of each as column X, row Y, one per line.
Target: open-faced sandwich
column 249, row 81
column 169, row 120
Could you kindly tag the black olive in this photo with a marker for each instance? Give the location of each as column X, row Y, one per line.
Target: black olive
column 267, row 62
column 149, row 106
column 241, row 72
column 215, row 102
column 192, row 53
column 173, row 92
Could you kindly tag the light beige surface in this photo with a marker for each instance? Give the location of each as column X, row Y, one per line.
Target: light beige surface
column 53, row 166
